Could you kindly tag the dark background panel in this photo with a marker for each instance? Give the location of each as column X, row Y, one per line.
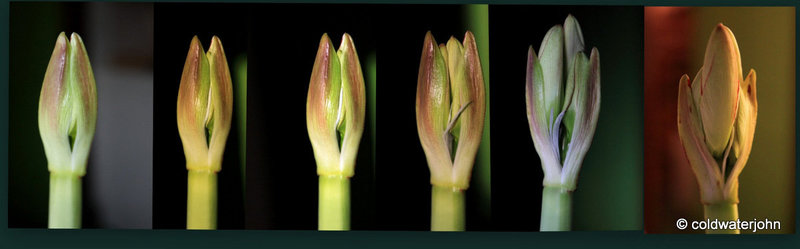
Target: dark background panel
column 609, row 192
column 404, row 189
column 176, row 24
column 282, row 183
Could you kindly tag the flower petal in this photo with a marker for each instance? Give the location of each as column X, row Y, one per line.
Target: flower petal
column 323, row 107
column 582, row 114
column 193, row 106
column 717, row 94
column 353, row 99
column 690, row 130
column 472, row 97
column 538, row 119
column 55, row 108
column 573, row 39
column 433, row 110
column 745, row 128
column 221, row 105
column 551, row 58
column 83, row 96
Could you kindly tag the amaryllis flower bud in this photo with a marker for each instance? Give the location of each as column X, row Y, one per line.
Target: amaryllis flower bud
column 717, row 90
column 717, row 113
column 450, row 108
column 336, row 107
column 557, row 104
column 68, row 107
column 205, row 105
column 562, row 114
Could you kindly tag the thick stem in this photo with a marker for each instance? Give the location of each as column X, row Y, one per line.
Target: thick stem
column 334, row 203
column 556, row 209
column 65, row 201
column 201, row 202
column 723, row 211
column 447, row 209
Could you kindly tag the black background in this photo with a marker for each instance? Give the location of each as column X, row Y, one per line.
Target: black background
column 176, row 24
column 282, row 182
column 390, row 191
column 404, row 189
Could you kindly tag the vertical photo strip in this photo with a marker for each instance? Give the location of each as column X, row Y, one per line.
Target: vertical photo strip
column 719, row 120
column 81, row 110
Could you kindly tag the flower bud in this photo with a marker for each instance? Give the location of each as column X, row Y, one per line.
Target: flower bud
column 450, row 107
column 335, row 107
column 571, row 106
column 717, row 113
column 205, row 106
column 716, row 91
column 68, row 107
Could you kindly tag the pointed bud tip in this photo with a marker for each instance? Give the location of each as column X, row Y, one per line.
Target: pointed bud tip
column 215, row 39
column 74, row 36
column 469, row 38
column 346, row 37
column 721, row 34
column 685, row 78
column 347, row 43
column 62, row 40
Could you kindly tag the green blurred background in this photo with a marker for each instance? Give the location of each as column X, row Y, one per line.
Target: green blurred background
column 609, row 191
column 675, row 41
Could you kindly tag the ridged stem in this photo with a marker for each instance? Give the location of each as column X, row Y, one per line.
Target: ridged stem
column 201, row 202
column 447, row 209
column 723, row 211
column 334, row 203
column 556, row 209
column 64, row 209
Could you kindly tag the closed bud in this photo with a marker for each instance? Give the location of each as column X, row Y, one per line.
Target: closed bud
column 68, row 107
column 335, row 108
column 205, row 106
column 716, row 117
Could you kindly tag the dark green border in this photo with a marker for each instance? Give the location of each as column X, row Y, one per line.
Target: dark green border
column 107, row 238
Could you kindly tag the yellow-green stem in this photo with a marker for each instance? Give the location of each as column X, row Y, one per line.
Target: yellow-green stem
column 201, row 202
column 556, row 209
column 65, row 201
column 334, row 203
column 447, row 209
column 723, row 211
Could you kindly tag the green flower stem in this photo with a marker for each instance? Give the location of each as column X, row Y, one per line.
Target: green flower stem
column 65, row 201
column 723, row 211
column 447, row 209
column 556, row 209
column 201, row 203
column 334, row 203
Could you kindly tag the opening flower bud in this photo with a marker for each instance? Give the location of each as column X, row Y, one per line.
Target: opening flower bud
column 205, row 105
column 717, row 113
column 562, row 111
column 450, row 107
column 68, row 107
column 335, row 107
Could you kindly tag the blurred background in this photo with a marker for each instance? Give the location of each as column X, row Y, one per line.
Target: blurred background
column 117, row 188
column 675, row 42
column 609, row 191
column 176, row 25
